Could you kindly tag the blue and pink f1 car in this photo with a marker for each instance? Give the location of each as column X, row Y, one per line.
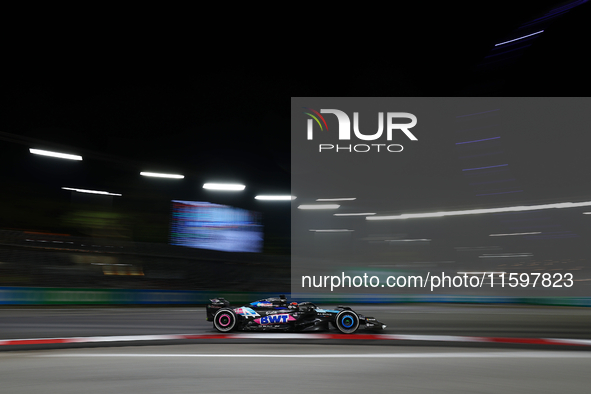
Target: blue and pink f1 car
column 275, row 314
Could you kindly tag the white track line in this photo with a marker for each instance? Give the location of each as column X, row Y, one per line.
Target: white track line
column 309, row 336
column 528, row 354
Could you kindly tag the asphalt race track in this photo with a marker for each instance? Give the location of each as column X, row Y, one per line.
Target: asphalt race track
column 245, row 368
column 344, row 366
column 468, row 320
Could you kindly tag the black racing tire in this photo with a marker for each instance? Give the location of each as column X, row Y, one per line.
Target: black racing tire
column 224, row 320
column 347, row 321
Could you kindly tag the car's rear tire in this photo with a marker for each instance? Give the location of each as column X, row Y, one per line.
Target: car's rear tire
column 224, row 320
column 347, row 321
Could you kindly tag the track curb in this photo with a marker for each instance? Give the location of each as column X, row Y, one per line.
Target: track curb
column 137, row 339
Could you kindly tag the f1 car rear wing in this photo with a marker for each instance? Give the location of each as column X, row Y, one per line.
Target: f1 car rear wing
column 214, row 305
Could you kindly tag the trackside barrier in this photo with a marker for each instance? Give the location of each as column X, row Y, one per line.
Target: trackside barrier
column 81, row 296
column 85, row 296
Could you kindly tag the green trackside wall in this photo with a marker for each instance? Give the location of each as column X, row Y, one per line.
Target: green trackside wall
column 81, row 296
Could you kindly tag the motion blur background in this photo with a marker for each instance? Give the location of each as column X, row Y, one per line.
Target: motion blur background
column 460, row 199
column 187, row 101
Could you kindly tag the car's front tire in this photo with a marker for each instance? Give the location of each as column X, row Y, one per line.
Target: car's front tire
column 347, row 321
column 224, row 320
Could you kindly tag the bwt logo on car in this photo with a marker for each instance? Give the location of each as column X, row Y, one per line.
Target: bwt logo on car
column 345, row 130
column 274, row 319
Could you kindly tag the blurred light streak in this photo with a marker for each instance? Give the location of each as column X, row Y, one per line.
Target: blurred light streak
column 568, row 6
column 586, row 213
column 275, row 198
column 319, row 206
column 509, row 254
column 158, row 175
column 337, row 230
column 543, row 18
column 91, row 191
column 556, row 232
column 477, row 113
column 515, row 209
column 494, row 256
column 520, row 38
column 55, row 154
column 485, row 139
column 504, row 235
column 482, row 168
column 337, row 199
column 355, row 214
column 533, row 226
column 554, row 13
column 491, row 194
column 223, row 186
column 407, row 240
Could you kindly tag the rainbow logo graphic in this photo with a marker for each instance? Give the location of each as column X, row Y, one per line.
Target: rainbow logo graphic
column 315, row 118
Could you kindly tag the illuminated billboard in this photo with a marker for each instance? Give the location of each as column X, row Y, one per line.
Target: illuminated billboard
column 204, row 225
